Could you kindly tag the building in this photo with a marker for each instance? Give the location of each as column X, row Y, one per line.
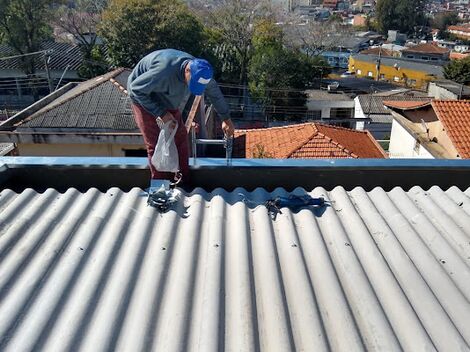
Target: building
column 448, row 90
column 439, row 129
column 306, row 141
column 427, row 52
column 373, row 116
column 397, row 70
column 16, row 88
column 331, row 107
column 93, row 118
column 461, row 31
column 384, row 265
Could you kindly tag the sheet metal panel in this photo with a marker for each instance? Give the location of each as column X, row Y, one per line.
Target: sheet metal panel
column 379, row 271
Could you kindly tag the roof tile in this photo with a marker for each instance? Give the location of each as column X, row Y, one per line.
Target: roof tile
column 309, row 140
column 455, row 116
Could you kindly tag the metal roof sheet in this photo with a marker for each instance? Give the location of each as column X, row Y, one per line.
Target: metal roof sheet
column 63, row 55
column 429, row 69
column 102, row 271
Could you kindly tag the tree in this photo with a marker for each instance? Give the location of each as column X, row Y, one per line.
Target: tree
column 314, row 37
column 444, row 19
column 81, row 21
column 231, row 25
column 133, row 28
column 279, row 75
column 402, row 15
column 24, row 25
column 458, row 71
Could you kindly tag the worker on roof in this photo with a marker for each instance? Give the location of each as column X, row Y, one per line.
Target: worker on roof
column 157, row 86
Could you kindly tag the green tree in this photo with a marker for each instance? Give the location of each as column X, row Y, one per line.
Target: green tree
column 402, row 15
column 231, row 25
column 133, row 28
column 444, row 19
column 24, row 25
column 278, row 75
column 81, row 21
column 458, row 71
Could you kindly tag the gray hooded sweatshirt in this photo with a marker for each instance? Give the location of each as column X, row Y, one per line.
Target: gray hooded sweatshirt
column 157, row 84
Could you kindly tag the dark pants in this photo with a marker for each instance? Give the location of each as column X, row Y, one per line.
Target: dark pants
column 148, row 127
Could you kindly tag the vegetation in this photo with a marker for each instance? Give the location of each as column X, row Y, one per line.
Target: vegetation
column 81, row 22
column 458, row 71
column 278, row 75
column 134, row 28
column 401, row 15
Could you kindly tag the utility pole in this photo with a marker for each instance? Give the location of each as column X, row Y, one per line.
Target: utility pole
column 378, row 63
column 47, row 57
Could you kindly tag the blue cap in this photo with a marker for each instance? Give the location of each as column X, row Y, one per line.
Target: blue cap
column 201, row 74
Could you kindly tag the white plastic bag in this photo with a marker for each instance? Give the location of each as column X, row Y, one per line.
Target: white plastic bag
column 165, row 156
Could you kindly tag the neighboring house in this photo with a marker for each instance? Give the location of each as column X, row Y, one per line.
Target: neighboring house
column 459, row 56
column 439, row 129
column 427, row 52
column 306, row 141
column 448, row 90
column 93, row 118
column 370, row 108
column 16, row 87
column 331, row 106
column 337, row 59
column 354, row 85
column 397, row 70
column 461, row 31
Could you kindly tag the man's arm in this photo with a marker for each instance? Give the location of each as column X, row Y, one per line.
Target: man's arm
column 221, row 107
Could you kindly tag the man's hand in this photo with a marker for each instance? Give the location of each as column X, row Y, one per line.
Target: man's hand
column 228, row 128
column 169, row 117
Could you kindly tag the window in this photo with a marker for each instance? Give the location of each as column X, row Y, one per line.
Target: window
column 370, row 74
column 341, row 113
column 359, row 72
column 382, row 76
column 425, row 58
column 412, row 82
column 314, row 114
column 410, row 57
column 396, row 79
column 434, row 59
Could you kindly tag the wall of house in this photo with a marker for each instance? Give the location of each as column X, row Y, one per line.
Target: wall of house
column 75, row 149
column 436, row 129
column 402, row 76
column 440, row 93
column 404, row 145
column 325, row 106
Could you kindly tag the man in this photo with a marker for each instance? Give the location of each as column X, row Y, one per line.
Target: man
column 157, row 85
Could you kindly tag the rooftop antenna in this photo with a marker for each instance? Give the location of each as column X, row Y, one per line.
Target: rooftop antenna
column 425, row 128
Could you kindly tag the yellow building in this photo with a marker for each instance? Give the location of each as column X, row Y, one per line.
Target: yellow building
column 395, row 70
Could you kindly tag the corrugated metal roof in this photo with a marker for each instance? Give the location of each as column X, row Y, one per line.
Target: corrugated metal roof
column 62, row 55
column 102, row 271
column 99, row 103
column 374, row 104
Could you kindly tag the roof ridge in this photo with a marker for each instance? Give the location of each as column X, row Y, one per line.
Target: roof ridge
column 276, row 127
column 339, row 127
column 339, row 145
column 98, row 81
column 315, row 132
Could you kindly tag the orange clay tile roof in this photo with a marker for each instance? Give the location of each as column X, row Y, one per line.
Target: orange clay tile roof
column 306, row 141
column 406, row 105
column 455, row 117
column 458, row 56
column 426, row 48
